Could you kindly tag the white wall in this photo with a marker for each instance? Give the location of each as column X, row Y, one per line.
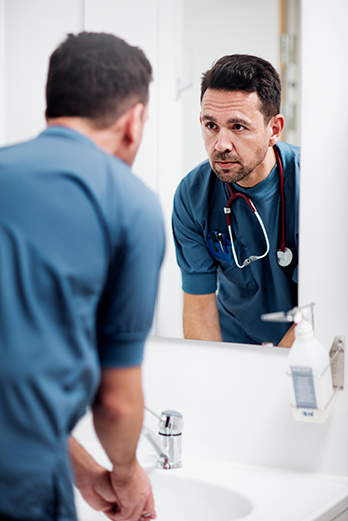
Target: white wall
column 30, row 31
column 235, row 400
column 323, row 276
column 114, row 17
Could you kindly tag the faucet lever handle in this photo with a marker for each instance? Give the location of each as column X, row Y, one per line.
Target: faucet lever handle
column 170, row 423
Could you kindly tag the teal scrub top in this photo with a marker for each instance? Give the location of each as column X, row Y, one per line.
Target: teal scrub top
column 81, row 244
column 243, row 295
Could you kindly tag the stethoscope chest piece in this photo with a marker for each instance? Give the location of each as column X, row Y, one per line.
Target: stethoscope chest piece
column 284, row 257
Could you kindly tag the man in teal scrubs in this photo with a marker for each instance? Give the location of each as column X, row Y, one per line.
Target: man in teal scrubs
column 241, row 126
column 81, row 244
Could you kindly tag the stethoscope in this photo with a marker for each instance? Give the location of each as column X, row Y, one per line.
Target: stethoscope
column 284, row 254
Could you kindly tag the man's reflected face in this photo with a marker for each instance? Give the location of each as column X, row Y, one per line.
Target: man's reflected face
column 235, row 135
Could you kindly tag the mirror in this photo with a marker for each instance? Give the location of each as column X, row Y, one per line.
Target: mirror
column 211, row 29
column 181, row 38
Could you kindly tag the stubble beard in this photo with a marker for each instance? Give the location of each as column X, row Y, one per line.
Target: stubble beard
column 226, row 176
column 231, row 177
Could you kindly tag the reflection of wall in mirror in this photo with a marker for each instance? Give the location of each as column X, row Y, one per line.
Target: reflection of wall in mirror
column 213, row 29
column 290, row 68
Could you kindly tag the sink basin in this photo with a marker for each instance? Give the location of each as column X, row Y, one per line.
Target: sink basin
column 205, row 490
column 178, row 496
column 185, row 499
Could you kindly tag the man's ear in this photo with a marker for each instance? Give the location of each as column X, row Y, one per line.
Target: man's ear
column 276, row 125
column 135, row 124
column 132, row 126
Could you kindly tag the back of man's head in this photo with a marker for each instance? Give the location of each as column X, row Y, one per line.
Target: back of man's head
column 96, row 76
column 246, row 73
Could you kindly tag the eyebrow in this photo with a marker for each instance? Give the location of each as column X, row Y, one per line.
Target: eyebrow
column 239, row 121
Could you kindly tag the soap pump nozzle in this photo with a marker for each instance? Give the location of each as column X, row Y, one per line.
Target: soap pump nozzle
column 296, row 315
column 303, row 330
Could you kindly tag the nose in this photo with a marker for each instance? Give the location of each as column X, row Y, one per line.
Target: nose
column 224, row 142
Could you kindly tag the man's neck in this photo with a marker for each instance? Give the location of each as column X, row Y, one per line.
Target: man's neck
column 105, row 138
column 82, row 125
column 261, row 171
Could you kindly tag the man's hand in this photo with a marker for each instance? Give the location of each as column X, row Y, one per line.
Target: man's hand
column 133, row 497
column 92, row 480
column 118, row 418
column 98, row 492
column 129, row 500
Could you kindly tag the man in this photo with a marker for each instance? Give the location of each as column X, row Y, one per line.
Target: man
column 241, row 124
column 81, row 244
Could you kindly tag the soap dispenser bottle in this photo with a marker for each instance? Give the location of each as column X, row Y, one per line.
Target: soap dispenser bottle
column 311, row 380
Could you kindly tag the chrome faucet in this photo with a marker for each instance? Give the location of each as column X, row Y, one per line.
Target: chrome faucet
column 169, row 440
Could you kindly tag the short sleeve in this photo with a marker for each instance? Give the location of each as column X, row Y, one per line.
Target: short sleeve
column 127, row 306
column 198, row 268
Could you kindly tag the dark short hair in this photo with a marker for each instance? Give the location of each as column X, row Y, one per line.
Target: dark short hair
column 96, row 76
column 247, row 73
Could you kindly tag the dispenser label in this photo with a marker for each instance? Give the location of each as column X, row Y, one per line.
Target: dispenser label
column 302, row 378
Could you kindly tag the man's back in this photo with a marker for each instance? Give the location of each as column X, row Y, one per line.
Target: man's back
column 66, row 255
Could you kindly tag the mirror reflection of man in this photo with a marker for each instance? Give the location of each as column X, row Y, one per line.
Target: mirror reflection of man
column 81, row 244
column 226, row 291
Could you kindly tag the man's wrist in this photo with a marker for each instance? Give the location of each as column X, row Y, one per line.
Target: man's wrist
column 85, row 467
column 122, row 474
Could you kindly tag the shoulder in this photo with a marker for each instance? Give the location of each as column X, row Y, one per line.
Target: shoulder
column 199, row 172
column 197, row 183
column 290, row 156
column 193, row 193
column 130, row 186
column 289, row 153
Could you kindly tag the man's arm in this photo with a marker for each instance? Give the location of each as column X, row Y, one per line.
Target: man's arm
column 201, row 317
column 125, row 492
column 118, row 418
column 92, row 479
column 201, row 320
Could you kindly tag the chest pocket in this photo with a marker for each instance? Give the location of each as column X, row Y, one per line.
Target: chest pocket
column 219, row 247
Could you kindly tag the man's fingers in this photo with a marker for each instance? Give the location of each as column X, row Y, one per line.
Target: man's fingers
column 114, row 514
column 147, row 516
column 126, row 514
column 149, row 508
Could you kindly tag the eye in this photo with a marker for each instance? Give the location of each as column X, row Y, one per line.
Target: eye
column 238, row 127
column 210, row 125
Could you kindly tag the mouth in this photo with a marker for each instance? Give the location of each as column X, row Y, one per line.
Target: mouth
column 225, row 165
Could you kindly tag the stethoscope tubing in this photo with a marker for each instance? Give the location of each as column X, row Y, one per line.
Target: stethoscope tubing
column 282, row 197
